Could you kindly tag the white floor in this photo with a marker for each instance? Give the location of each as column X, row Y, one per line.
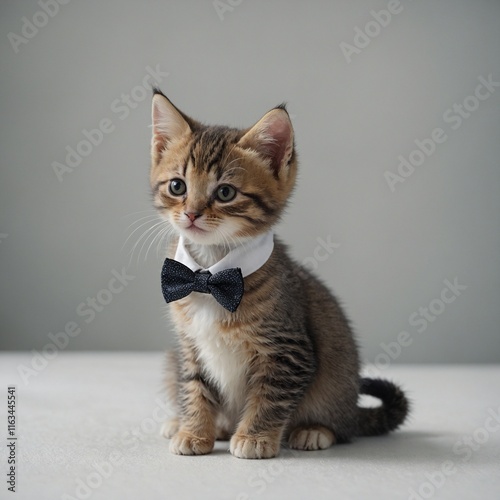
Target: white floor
column 88, row 427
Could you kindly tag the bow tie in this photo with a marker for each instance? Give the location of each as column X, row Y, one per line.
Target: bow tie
column 178, row 281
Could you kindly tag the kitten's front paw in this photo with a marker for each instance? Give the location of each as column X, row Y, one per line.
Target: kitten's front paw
column 243, row 446
column 185, row 443
column 311, row 438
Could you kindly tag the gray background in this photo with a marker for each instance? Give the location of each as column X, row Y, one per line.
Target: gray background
column 60, row 241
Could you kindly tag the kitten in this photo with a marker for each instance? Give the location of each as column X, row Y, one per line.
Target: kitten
column 284, row 365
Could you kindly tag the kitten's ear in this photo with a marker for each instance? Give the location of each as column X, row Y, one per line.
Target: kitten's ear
column 168, row 123
column 272, row 138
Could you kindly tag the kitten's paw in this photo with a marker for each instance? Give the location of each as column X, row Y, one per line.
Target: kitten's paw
column 185, row 443
column 170, row 428
column 311, row 438
column 243, row 446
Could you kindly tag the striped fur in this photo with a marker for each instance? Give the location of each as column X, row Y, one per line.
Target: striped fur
column 285, row 364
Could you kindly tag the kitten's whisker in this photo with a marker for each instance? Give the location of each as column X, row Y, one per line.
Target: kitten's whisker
column 229, row 153
column 150, row 232
column 134, row 231
column 151, row 217
column 225, row 241
column 146, row 232
column 139, row 212
column 235, row 167
column 229, row 171
column 234, row 240
column 154, row 237
column 162, row 229
column 166, row 234
column 229, row 240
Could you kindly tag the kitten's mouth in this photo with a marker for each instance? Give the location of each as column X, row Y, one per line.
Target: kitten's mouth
column 195, row 229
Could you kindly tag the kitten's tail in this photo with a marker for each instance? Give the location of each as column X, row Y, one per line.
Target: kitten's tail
column 387, row 417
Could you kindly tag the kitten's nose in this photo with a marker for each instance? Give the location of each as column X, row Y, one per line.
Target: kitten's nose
column 192, row 215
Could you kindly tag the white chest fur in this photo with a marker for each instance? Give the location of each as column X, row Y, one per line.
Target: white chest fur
column 223, row 357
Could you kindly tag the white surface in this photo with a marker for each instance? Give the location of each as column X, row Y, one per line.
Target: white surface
column 82, row 408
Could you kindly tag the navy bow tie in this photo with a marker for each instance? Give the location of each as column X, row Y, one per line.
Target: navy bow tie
column 178, row 281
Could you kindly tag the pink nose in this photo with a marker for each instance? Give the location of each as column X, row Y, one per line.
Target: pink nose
column 192, row 215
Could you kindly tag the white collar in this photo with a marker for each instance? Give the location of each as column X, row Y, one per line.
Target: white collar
column 249, row 257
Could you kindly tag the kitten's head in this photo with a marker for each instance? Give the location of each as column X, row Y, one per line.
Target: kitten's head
column 219, row 185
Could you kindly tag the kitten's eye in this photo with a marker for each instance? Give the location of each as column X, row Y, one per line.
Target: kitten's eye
column 226, row 192
column 177, row 187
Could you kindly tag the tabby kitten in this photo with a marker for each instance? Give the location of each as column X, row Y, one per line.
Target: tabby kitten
column 284, row 364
